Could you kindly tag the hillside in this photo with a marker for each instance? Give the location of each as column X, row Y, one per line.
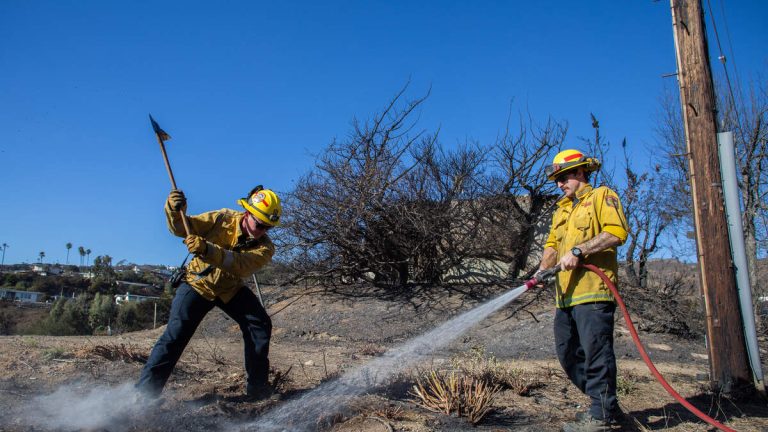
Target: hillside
column 83, row 383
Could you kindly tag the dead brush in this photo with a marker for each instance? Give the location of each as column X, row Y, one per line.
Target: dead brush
column 215, row 352
column 377, row 407
column 482, row 367
column 520, row 381
column 389, row 412
column 327, row 421
column 449, row 393
column 280, row 378
column 113, row 352
column 372, row 350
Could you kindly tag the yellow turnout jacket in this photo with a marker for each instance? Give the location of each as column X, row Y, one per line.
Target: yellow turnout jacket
column 576, row 221
column 232, row 255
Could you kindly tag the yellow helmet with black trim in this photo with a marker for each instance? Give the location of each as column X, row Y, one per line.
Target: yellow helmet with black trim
column 570, row 159
column 264, row 204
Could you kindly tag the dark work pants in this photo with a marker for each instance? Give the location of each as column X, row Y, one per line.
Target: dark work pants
column 187, row 311
column 584, row 342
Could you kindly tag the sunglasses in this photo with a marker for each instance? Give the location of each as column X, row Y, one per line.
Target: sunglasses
column 562, row 178
column 260, row 226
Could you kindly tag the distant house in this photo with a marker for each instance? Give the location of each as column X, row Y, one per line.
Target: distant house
column 763, row 302
column 134, row 285
column 21, row 296
column 167, row 271
column 128, row 297
column 45, row 269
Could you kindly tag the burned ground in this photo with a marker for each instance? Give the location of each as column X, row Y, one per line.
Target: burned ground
column 318, row 335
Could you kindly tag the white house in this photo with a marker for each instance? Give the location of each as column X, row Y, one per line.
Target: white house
column 20, row 296
column 128, row 297
column 45, row 269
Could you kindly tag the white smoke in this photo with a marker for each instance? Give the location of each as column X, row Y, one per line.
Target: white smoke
column 75, row 407
column 117, row 409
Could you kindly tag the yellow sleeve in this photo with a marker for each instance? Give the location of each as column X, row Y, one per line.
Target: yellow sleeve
column 201, row 223
column 612, row 219
column 173, row 220
column 243, row 263
column 552, row 238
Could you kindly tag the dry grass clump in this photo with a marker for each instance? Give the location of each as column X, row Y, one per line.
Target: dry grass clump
column 449, row 392
column 626, row 384
column 55, row 353
column 112, row 352
column 480, row 366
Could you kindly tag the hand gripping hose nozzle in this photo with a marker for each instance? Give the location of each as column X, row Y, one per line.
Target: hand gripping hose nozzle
column 542, row 277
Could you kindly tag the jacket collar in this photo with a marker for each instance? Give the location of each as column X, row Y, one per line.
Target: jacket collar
column 239, row 224
column 583, row 191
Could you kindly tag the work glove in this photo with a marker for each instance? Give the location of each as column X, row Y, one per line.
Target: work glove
column 196, row 245
column 177, row 201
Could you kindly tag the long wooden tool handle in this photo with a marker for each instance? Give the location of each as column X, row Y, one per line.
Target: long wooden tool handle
column 187, row 230
column 258, row 291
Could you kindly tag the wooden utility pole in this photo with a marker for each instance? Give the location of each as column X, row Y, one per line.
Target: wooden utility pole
column 729, row 366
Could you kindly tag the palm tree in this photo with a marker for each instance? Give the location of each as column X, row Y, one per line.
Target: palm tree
column 69, row 246
column 81, row 250
column 4, row 247
column 42, row 255
column 88, row 260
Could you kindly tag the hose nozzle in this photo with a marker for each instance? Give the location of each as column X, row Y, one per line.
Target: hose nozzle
column 542, row 276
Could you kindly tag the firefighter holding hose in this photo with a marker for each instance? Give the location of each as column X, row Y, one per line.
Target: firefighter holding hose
column 587, row 227
column 228, row 246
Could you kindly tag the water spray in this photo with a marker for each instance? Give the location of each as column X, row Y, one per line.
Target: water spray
column 304, row 413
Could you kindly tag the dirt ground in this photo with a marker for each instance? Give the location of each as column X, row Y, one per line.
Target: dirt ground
column 318, row 336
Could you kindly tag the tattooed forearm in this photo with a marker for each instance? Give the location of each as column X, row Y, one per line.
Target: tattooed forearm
column 548, row 259
column 601, row 242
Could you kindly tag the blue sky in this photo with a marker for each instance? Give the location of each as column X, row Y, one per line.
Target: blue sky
column 250, row 91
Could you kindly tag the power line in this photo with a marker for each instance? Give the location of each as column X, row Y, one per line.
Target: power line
column 737, row 77
column 722, row 59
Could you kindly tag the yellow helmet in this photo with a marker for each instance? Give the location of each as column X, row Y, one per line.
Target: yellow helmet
column 569, row 159
column 264, row 204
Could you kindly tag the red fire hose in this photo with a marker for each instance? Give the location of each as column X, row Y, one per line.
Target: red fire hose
column 639, row 344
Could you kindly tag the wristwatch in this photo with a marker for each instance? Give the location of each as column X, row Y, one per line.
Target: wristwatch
column 576, row 252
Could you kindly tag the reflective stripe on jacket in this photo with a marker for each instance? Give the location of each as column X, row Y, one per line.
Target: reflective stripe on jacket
column 232, row 254
column 573, row 223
